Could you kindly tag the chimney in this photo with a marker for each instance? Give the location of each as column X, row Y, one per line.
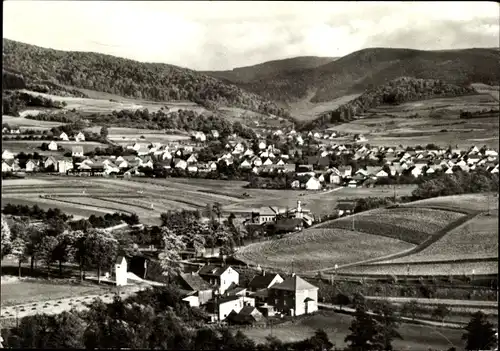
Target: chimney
column 299, row 209
column 263, row 273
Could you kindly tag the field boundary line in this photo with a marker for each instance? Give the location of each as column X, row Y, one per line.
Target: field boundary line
column 82, row 204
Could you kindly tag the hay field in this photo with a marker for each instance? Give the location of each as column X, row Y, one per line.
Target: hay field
column 413, row 225
column 315, row 249
column 29, row 146
column 477, row 239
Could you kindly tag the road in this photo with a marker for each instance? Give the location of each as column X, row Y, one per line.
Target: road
column 449, row 302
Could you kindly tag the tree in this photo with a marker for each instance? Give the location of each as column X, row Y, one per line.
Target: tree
column 441, row 312
column 6, row 237
column 366, row 334
column 389, row 323
column 46, row 251
column 19, row 251
column 411, row 308
column 66, row 247
column 102, row 248
column 170, row 256
column 104, row 132
column 480, row 333
column 319, row 342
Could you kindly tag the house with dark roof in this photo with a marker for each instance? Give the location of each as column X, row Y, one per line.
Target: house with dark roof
column 264, row 281
column 248, row 315
column 294, row 296
column 220, row 277
column 196, row 285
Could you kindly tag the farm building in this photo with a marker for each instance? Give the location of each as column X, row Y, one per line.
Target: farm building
column 63, row 136
column 225, row 305
column 199, row 290
column 294, row 296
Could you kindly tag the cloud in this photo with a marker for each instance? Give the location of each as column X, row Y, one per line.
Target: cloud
column 224, row 35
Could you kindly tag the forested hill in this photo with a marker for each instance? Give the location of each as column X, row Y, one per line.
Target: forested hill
column 269, row 69
column 396, row 91
column 128, row 78
column 373, row 67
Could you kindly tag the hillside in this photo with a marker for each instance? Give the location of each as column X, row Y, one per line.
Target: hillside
column 372, row 67
column 396, row 91
column 271, row 68
column 128, row 78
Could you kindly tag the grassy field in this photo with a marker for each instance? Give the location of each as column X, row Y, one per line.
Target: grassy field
column 477, row 239
column 413, row 225
column 306, row 110
column 27, row 291
column 438, row 122
column 315, row 249
column 336, row 325
column 24, row 123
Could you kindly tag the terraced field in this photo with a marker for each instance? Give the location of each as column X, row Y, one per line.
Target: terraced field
column 413, row 225
column 316, row 249
column 477, row 239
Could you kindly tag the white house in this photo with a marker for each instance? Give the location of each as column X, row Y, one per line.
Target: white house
column 52, row 146
column 294, row 296
column 79, row 137
column 64, row 165
column 268, row 162
column 7, row 155
column 121, row 271
column 491, row 152
column 245, row 164
column 31, row 166
column 200, row 136
column 416, row 172
column 64, row 136
column 381, row 174
column 192, row 159
column 220, row 277
column 313, row 184
column 262, row 145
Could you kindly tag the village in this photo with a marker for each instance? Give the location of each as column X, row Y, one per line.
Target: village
column 310, row 164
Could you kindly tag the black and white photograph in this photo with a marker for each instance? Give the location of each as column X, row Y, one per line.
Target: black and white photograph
column 250, row 175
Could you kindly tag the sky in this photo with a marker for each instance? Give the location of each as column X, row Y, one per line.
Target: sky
column 210, row 35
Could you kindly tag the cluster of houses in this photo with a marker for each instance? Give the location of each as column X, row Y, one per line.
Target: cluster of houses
column 218, row 290
column 313, row 173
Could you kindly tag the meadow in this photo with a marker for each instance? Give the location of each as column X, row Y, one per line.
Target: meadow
column 316, row 249
column 336, row 325
column 30, row 146
column 478, row 238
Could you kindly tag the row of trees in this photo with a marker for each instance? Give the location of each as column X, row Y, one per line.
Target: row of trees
column 35, row 212
column 458, row 183
column 106, row 221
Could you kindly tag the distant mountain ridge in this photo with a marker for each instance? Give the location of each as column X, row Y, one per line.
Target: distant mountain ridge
column 270, row 68
column 372, row 67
